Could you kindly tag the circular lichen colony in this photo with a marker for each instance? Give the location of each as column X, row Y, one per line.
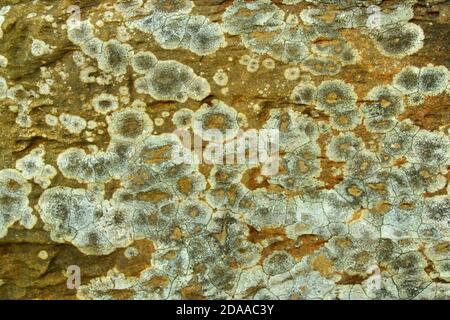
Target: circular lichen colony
column 171, row 80
column 92, row 48
column 430, row 148
column 433, row 80
column 215, row 121
column 143, row 62
column 183, row 118
column 385, row 104
column 115, row 57
column 321, row 66
column 72, row 123
column 344, row 146
column 303, row 93
column 166, row 81
column 221, row 78
column 105, row 103
column 173, row 27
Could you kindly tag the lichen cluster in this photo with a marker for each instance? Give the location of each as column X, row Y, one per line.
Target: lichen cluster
column 359, row 206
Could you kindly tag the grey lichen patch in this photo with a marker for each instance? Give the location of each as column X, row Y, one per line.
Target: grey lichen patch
column 173, row 27
column 19, row 100
column 40, row 48
column 282, row 43
column 218, row 116
column 361, row 182
column 385, row 104
column 430, row 148
column 151, row 284
column 183, row 118
column 278, row 262
column 345, row 120
column 220, row 78
column 145, row 206
column 105, row 103
column 195, row 215
column 407, row 80
column 433, row 79
column 251, row 62
column 129, row 125
column 112, row 55
column 83, row 218
column 418, row 83
column 337, row 49
column 285, row 39
column 388, row 27
column 304, row 93
column 335, row 96
column 302, row 168
column 98, row 167
column 72, row 123
column 81, row 33
column 292, row 73
column 344, row 146
column 14, row 204
column 115, row 57
column 424, row 178
column 296, row 129
column 34, row 168
column 171, row 80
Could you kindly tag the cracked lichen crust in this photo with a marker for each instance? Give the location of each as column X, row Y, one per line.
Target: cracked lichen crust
column 173, row 27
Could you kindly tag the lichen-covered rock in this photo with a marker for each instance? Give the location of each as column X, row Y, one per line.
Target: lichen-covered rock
column 235, row 149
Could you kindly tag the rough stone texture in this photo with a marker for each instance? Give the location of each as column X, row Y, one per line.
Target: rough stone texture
column 295, row 241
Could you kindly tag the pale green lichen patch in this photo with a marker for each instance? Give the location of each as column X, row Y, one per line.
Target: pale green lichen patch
column 14, row 204
column 173, row 27
column 124, row 135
